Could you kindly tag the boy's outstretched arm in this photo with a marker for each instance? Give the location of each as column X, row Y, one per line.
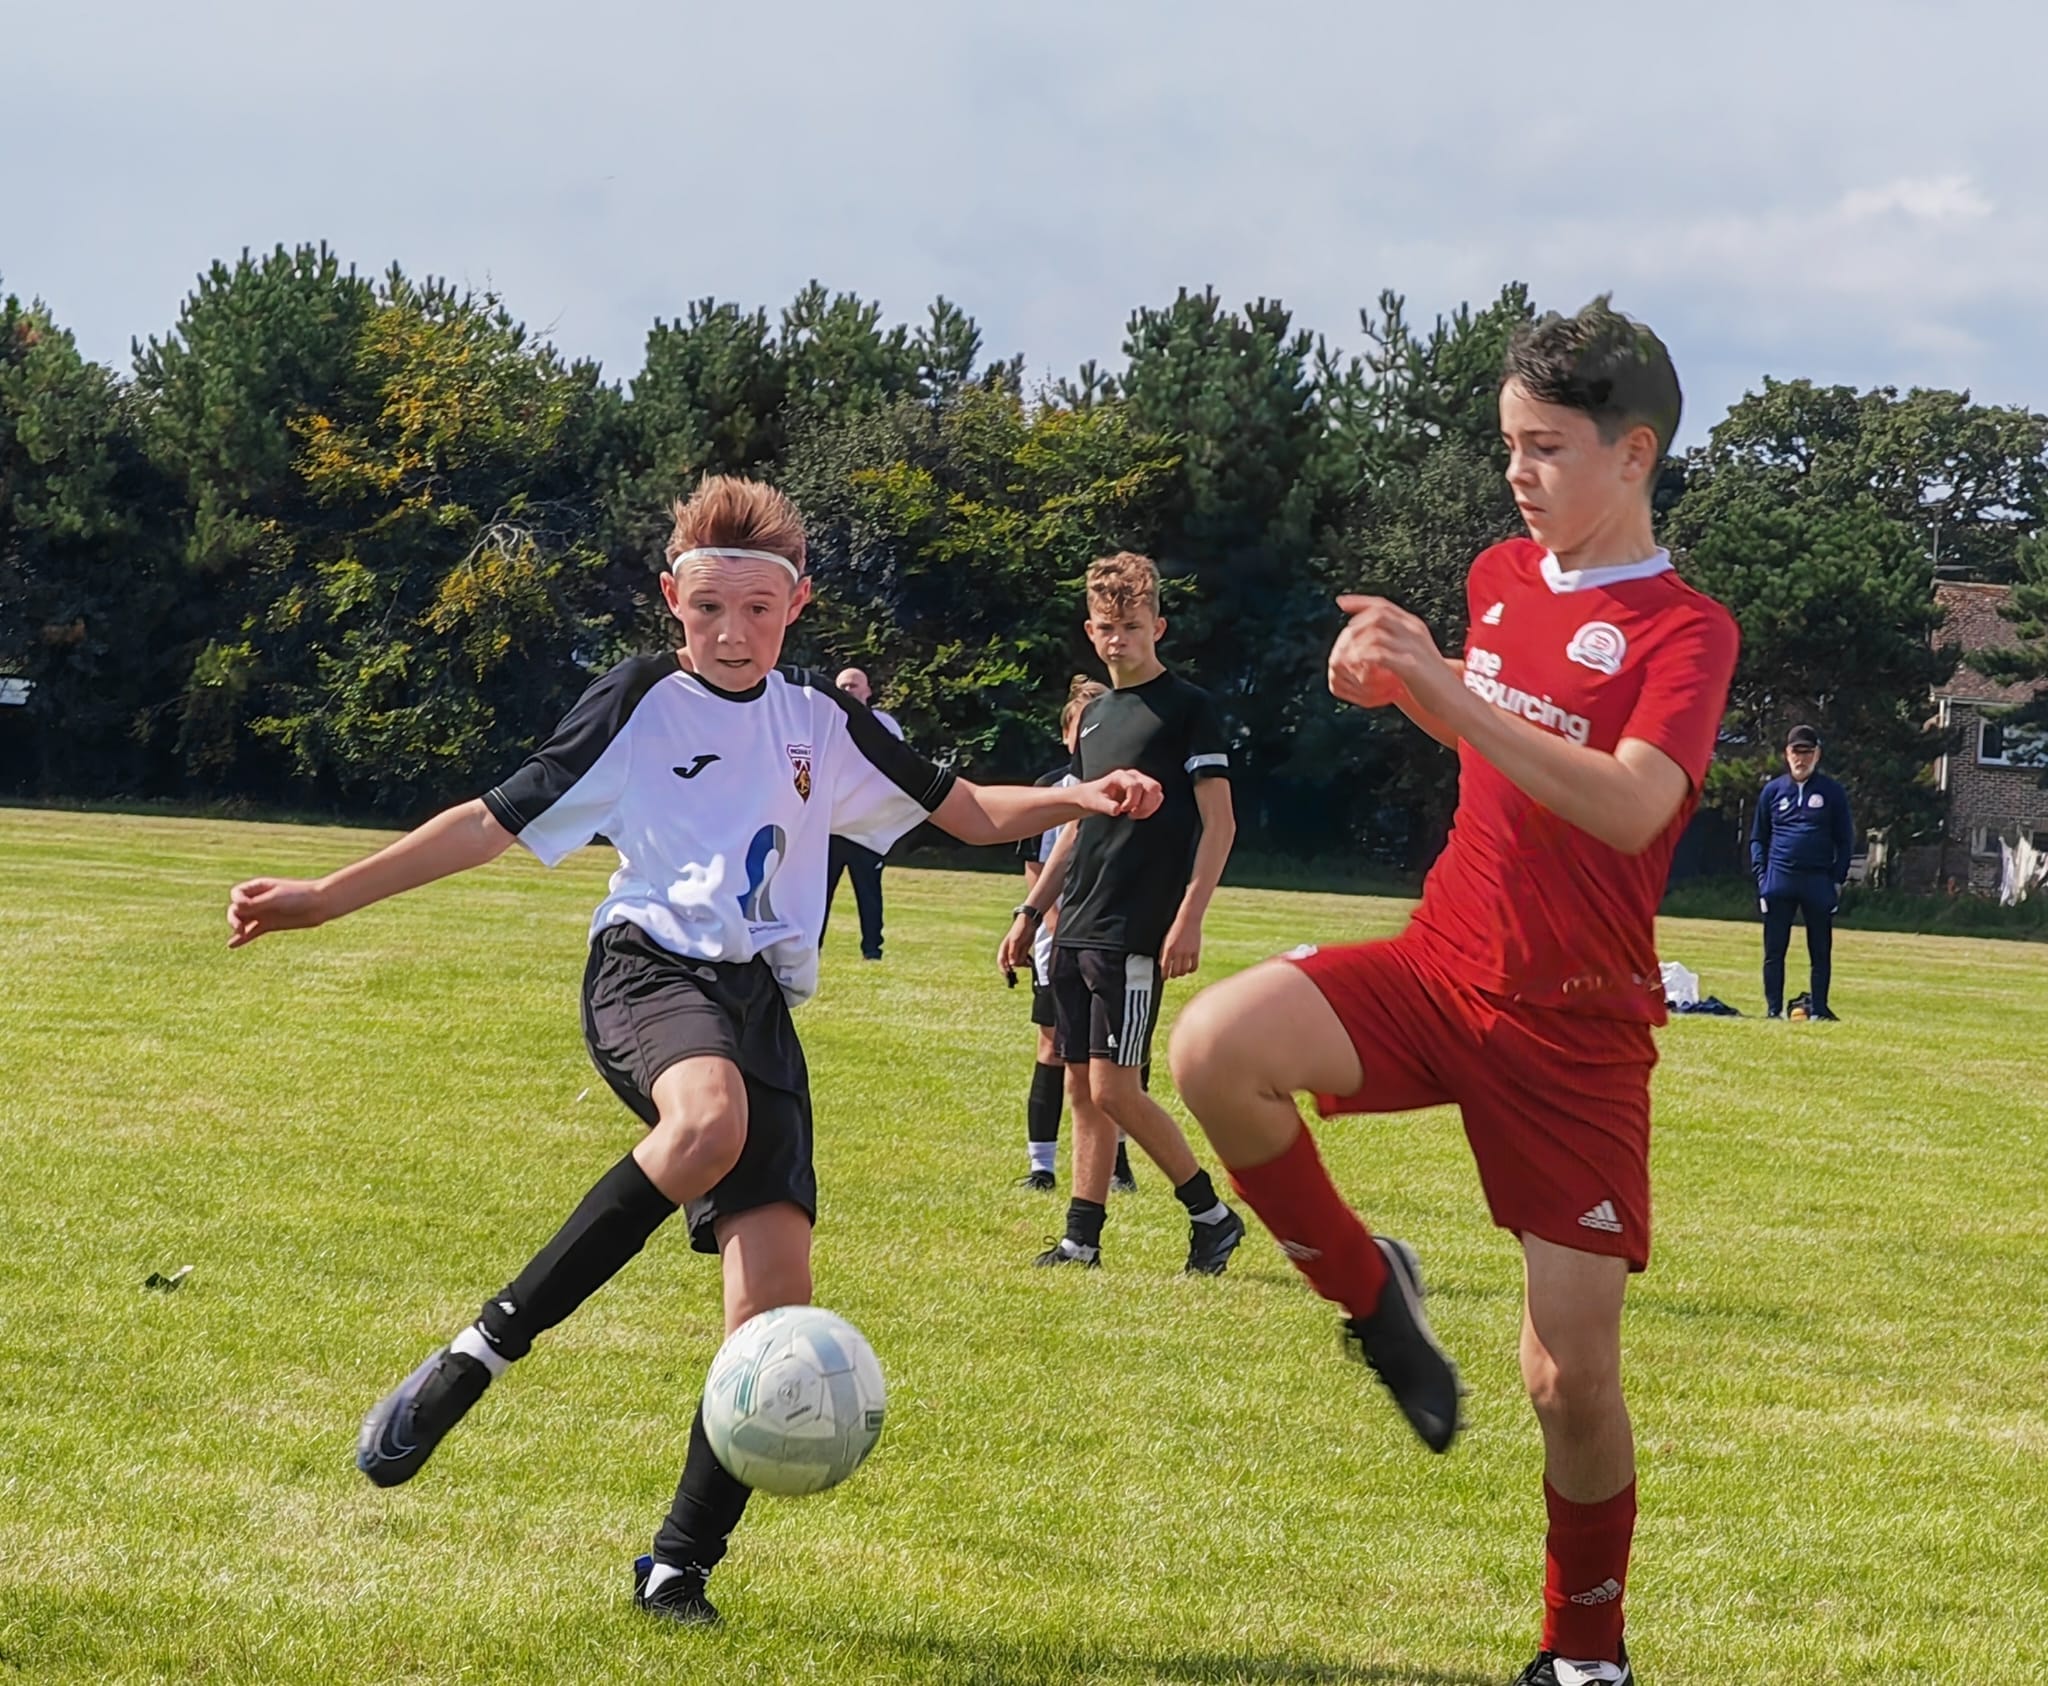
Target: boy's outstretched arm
column 452, row 841
column 1002, row 813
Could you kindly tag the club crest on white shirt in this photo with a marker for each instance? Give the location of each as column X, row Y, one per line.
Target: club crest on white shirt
column 1598, row 645
column 800, row 766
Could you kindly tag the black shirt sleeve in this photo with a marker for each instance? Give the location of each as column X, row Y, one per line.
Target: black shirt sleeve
column 884, row 788
column 1208, row 745
column 564, row 793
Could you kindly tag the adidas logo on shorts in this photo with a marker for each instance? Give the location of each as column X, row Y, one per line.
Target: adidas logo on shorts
column 1602, row 1217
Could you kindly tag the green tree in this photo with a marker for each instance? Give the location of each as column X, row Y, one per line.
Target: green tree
column 1970, row 480
column 1836, row 605
column 411, row 534
column 1416, row 489
column 948, row 544
column 88, row 586
column 1237, row 397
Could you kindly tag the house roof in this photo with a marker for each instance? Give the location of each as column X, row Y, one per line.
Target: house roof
column 1971, row 621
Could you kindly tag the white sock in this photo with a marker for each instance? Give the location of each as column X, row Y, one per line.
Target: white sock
column 1045, row 1156
column 659, row 1576
column 471, row 1344
column 1585, row 1674
column 1215, row 1214
column 1122, row 1140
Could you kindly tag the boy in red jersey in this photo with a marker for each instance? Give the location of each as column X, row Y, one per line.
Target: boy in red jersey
column 1584, row 714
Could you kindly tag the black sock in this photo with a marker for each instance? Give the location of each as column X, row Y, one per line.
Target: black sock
column 1197, row 1194
column 1048, row 1097
column 709, row 1500
column 1084, row 1222
column 611, row 1225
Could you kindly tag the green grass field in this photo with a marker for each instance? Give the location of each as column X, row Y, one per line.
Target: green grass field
column 1837, row 1361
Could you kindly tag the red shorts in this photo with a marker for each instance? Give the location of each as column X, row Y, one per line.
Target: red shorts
column 1556, row 1105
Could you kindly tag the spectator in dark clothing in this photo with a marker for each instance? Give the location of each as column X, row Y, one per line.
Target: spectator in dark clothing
column 1799, row 849
column 860, row 863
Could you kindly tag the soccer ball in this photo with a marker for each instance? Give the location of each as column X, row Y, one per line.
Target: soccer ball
column 794, row 1400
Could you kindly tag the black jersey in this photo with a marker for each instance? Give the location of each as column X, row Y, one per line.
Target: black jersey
column 1127, row 877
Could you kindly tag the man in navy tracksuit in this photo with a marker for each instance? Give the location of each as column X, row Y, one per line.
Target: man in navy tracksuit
column 1799, row 849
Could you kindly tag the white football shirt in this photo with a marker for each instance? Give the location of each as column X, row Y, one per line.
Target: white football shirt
column 720, row 805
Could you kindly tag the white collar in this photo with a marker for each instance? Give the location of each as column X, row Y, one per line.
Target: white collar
column 1585, row 579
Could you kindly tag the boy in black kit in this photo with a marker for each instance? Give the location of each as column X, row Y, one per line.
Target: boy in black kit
column 1131, row 906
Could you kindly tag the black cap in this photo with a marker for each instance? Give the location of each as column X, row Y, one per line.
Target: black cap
column 1802, row 737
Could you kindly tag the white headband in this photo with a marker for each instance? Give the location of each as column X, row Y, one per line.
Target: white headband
column 736, row 556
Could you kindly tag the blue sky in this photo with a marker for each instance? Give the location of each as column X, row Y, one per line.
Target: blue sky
column 1850, row 192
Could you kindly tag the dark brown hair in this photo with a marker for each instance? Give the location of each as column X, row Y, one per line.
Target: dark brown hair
column 1603, row 364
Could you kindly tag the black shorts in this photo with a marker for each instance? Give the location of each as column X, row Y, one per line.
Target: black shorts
column 1042, row 1011
column 645, row 1009
column 1107, row 1002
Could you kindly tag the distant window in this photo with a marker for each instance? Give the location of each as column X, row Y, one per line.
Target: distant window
column 14, row 692
column 2000, row 744
column 1984, row 840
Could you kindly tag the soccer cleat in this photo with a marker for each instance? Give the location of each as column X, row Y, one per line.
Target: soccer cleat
column 1398, row 1345
column 1543, row 1671
column 1825, row 1014
column 1042, row 1180
column 680, row 1598
column 1210, row 1245
column 405, row 1426
column 1120, row 1179
column 1058, row 1254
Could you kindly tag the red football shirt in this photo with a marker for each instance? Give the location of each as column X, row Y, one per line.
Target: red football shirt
column 1522, row 903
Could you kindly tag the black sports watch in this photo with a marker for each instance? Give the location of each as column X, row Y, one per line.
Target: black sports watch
column 1024, row 910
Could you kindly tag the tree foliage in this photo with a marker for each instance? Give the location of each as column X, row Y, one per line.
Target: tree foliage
column 355, row 541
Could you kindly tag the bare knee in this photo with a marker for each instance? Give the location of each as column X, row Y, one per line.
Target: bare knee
column 701, row 1130
column 1571, row 1389
column 1213, row 1061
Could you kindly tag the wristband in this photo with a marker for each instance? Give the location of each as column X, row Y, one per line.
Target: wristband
column 1024, row 910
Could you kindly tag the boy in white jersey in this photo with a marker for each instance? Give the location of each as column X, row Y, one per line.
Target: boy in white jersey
column 719, row 780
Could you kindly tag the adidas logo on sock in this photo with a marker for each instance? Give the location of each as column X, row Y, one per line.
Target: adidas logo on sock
column 1301, row 1252
column 1602, row 1217
column 1605, row 1593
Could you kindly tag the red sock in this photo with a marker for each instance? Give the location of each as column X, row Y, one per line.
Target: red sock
column 1296, row 1200
column 1585, row 1567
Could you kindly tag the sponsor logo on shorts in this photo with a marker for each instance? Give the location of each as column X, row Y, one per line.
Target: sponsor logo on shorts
column 1598, row 645
column 1602, row 1217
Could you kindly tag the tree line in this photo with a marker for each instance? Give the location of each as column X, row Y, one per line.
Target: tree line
column 353, row 543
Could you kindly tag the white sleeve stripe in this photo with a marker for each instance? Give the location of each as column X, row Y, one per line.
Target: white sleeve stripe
column 1218, row 760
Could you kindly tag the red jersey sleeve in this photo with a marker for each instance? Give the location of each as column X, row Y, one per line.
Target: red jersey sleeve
column 1685, row 691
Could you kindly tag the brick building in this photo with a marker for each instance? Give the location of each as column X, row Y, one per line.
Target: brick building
column 1991, row 778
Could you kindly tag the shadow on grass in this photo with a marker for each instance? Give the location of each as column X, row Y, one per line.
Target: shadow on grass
column 993, row 1661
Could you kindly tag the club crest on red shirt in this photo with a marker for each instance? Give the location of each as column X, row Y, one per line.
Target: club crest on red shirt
column 1598, row 645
